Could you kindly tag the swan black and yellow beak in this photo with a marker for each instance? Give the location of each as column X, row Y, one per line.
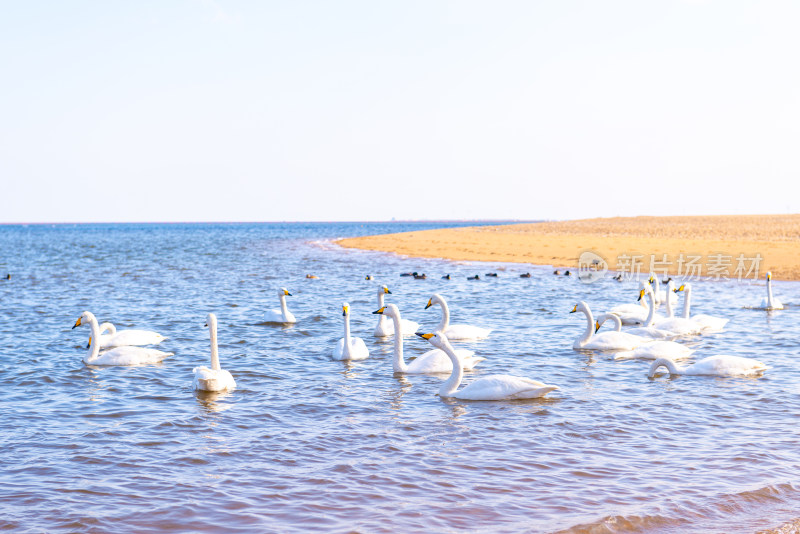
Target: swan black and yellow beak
column 683, row 286
column 769, row 276
column 425, row 336
column 89, row 344
column 641, row 295
column 651, row 280
column 379, row 312
column 345, row 310
column 574, row 309
column 77, row 323
column 285, row 292
column 596, row 326
column 430, row 303
column 386, row 290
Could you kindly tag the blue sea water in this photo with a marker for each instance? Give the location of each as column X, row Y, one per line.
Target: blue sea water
column 308, row 443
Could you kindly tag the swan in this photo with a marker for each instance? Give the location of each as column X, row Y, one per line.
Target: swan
column 349, row 348
column 707, row 322
column 492, row 387
column 770, row 302
column 661, row 294
column 216, row 378
column 433, row 361
column 283, row 315
column 455, row 332
column 122, row 338
column 678, row 325
column 606, row 340
column 118, row 355
column 722, row 365
column 635, row 314
column 643, row 331
column 386, row 327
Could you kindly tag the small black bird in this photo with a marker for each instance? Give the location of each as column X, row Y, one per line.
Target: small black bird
column 526, row 275
column 422, row 276
column 476, row 277
column 493, row 275
column 567, row 273
column 446, row 277
column 556, row 272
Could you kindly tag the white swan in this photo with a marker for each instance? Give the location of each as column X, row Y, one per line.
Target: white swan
column 770, row 302
column 433, row 361
column 118, row 355
column 122, row 338
column 709, row 323
column 636, row 314
column 679, row 325
column 216, row 378
column 283, row 315
column 661, row 294
column 386, row 327
column 492, row 387
column 722, row 365
column 649, row 332
column 606, row 340
column 455, row 332
column 349, row 348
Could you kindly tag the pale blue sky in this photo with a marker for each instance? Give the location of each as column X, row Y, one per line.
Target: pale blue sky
column 197, row 110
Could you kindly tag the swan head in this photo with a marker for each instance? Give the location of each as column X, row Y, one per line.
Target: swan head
column 679, row 289
column 86, row 317
column 345, row 309
column 651, row 280
column 435, row 299
column 581, row 306
column 282, row 292
column 644, row 290
column 211, row 320
column 390, row 310
column 383, row 290
column 769, row 275
column 438, row 339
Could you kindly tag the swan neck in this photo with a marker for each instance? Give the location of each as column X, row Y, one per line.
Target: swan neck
column 212, row 328
column 617, row 322
column 770, row 302
column 668, row 304
column 381, row 318
column 399, row 362
column 346, row 350
column 284, row 307
column 445, row 322
column 94, row 350
column 587, row 335
column 687, row 301
column 669, row 364
column 451, row 384
column 651, row 309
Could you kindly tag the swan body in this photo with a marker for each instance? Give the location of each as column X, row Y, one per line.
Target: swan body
column 117, row 356
column 349, row 348
column 679, row 325
column 121, row 338
column 648, row 332
column 433, row 361
column 708, row 323
column 770, row 302
column 722, row 365
column 655, row 350
column 606, row 340
column 489, row 388
column 386, row 327
column 282, row 315
column 216, row 378
column 455, row 332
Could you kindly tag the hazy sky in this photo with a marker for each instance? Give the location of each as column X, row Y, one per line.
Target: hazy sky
column 198, row 110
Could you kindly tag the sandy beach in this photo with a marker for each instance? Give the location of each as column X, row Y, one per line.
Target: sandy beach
column 741, row 246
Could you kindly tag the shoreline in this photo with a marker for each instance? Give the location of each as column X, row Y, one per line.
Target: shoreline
column 722, row 246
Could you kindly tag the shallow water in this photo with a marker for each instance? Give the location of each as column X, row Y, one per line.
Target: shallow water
column 306, row 442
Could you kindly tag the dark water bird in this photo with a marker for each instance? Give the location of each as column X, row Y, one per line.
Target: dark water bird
column 476, row 277
column 493, row 275
column 525, row 275
column 422, row 276
column 667, row 281
column 369, row 277
column 311, row 276
column 409, row 274
column 556, row 272
column 618, row 278
column 567, row 273
column 446, row 277
column 8, row 276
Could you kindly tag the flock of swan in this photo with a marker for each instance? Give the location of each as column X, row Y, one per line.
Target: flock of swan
column 653, row 336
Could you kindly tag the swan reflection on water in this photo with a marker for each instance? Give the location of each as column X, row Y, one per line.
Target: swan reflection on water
column 211, row 401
